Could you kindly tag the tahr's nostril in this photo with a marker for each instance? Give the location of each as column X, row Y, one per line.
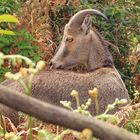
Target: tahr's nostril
column 50, row 63
column 55, row 65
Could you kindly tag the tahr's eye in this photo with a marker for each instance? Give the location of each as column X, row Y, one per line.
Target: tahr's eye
column 69, row 39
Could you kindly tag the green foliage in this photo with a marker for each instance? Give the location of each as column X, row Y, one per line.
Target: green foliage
column 8, row 18
column 22, row 42
column 133, row 123
column 127, row 76
column 42, row 134
column 9, row 6
column 1, row 132
column 7, row 32
column 27, row 47
column 3, row 70
column 132, row 127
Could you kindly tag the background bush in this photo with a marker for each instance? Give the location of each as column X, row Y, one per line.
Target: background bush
column 22, row 42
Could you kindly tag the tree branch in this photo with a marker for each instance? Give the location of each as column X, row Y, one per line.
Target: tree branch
column 63, row 117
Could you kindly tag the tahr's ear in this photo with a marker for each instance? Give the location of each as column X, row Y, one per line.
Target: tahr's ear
column 87, row 24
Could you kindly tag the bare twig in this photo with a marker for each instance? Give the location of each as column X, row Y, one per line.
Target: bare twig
column 116, row 48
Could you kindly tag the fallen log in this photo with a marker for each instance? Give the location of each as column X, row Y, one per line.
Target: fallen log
column 56, row 115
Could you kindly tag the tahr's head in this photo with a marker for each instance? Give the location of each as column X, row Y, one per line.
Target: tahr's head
column 74, row 47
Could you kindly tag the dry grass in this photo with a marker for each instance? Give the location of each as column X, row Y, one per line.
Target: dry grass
column 36, row 20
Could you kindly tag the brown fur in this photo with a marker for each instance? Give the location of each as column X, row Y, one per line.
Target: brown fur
column 55, row 86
